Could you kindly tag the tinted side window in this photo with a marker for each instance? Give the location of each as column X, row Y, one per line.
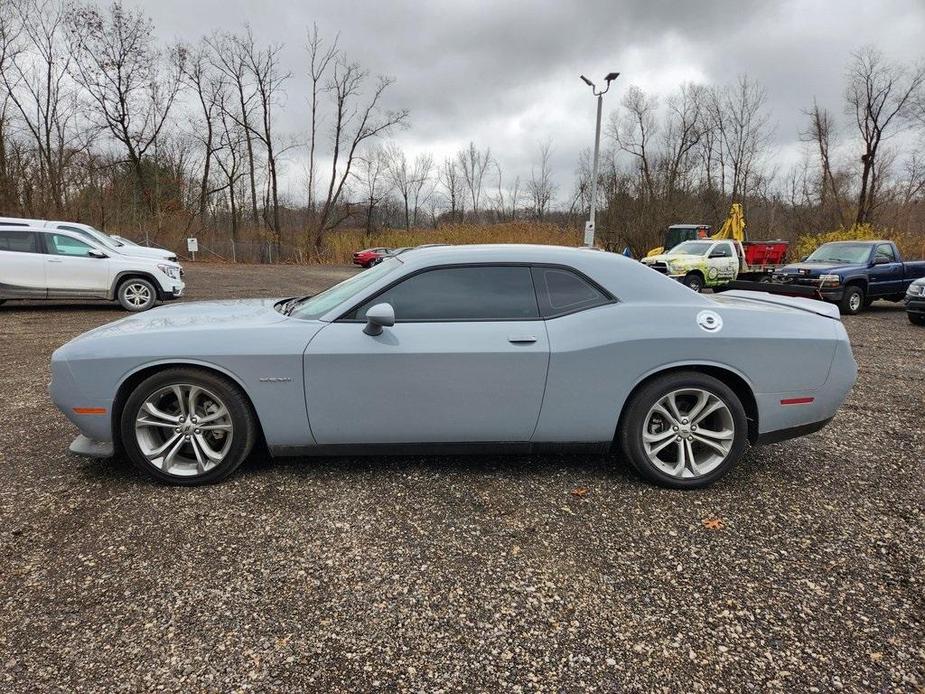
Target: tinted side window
column 721, row 251
column 19, row 241
column 885, row 250
column 562, row 291
column 58, row 244
column 466, row 293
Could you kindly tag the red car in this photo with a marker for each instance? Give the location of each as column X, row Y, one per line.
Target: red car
column 369, row 256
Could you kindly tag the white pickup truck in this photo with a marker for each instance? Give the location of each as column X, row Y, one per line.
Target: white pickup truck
column 712, row 263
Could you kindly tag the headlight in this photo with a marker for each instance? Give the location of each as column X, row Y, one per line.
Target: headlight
column 171, row 271
column 916, row 289
column 830, row 280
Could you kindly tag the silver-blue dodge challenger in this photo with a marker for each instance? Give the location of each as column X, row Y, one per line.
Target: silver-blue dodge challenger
column 455, row 349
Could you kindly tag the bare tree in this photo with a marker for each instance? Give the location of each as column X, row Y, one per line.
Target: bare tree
column 634, row 133
column 743, row 130
column 473, row 164
column 38, row 85
column 821, row 134
column 372, row 176
column 231, row 158
column 131, row 85
column 227, row 55
column 454, row 187
column 881, row 97
column 408, row 179
column 208, row 85
column 263, row 66
column 358, row 117
column 320, row 58
column 541, row 187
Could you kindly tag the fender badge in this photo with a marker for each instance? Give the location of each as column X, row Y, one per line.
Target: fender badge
column 274, row 379
column 710, row 321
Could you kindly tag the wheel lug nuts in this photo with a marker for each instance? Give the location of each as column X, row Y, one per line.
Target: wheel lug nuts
column 675, row 428
column 179, row 430
column 186, row 437
column 198, row 431
column 678, row 438
column 683, row 421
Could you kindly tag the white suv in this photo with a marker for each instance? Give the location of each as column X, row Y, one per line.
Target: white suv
column 111, row 243
column 43, row 263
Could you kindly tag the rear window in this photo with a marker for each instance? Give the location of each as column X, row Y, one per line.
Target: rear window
column 560, row 291
column 19, row 242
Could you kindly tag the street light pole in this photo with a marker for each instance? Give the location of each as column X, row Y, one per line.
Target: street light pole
column 589, row 227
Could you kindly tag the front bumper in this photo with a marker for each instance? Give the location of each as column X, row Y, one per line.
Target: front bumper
column 915, row 304
column 172, row 289
column 88, row 448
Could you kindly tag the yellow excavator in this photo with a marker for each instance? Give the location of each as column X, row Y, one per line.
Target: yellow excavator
column 733, row 228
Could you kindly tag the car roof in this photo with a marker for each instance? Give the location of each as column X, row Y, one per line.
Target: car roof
column 842, row 243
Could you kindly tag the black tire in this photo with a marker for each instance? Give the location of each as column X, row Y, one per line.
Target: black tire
column 633, row 422
column 693, row 280
column 136, row 294
column 242, row 418
column 868, row 301
column 2, row 301
column 852, row 301
column 916, row 318
column 764, row 279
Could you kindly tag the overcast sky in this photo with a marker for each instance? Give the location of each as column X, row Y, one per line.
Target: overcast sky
column 505, row 74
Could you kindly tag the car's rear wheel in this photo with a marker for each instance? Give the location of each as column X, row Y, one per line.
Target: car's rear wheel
column 852, row 301
column 694, row 280
column 684, row 430
column 916, row 318
column 187, row 426
column 137, row 294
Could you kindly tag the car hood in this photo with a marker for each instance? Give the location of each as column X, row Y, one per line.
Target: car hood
column 679, row 258
column 194, row 316
column 145, row 252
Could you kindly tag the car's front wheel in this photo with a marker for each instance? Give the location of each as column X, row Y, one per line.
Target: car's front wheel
column 916, row 318
column 694, row 280
column 136, row 294
column 684, row 430
column 852, row 301
column 187, row 426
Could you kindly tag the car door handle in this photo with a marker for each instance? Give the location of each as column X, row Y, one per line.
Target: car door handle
column 521, row 339
column 55, row 260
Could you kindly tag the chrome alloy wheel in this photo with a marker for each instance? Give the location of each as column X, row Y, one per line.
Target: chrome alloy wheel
column 137, row 294
column 855, row 301
column 688, row 433
column 183, row 429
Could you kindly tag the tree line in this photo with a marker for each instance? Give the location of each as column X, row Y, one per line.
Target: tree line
column 101, row 122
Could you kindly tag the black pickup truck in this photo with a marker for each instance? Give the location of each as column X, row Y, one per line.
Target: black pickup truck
column 852, row 274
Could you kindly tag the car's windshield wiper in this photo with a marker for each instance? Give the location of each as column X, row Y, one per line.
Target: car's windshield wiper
column 290, row 305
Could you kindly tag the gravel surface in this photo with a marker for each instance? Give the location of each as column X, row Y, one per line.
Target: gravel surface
column 801, row 571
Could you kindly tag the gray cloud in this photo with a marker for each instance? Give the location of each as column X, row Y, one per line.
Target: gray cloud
column 505, row 74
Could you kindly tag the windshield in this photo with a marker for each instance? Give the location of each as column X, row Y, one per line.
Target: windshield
column 691, row 248
column 319, row 304
column 840, row 253
column 94, row 235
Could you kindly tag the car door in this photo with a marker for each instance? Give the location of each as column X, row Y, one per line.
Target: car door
column 22, row 265
column 886, row 275
column 71, row 270
column 465, row 362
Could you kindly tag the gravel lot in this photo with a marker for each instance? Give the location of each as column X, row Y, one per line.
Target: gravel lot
column 477, row 574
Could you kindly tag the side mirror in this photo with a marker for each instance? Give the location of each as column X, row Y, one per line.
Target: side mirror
column 378, row 317
column 880, row 260
column 803, row 259
column 93, row 253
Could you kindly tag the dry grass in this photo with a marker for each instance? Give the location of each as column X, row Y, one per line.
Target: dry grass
column 912, row 246
column 341, row 244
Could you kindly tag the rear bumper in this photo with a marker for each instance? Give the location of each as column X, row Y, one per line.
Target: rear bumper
column 791, row 432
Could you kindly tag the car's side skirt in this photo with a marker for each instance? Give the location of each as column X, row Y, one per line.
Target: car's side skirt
column 448, row 448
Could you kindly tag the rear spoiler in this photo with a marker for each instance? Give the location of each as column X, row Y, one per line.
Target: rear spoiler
column 775, row 288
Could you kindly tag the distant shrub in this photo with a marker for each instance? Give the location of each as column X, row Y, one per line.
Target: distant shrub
column 911, row 246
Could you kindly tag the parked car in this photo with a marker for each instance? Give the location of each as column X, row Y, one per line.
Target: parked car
column 853, row 274
column 915, row 302
column 43, row 263
column 111, row 243
column 461, row 348
column 368, row 257
column 714, row 263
